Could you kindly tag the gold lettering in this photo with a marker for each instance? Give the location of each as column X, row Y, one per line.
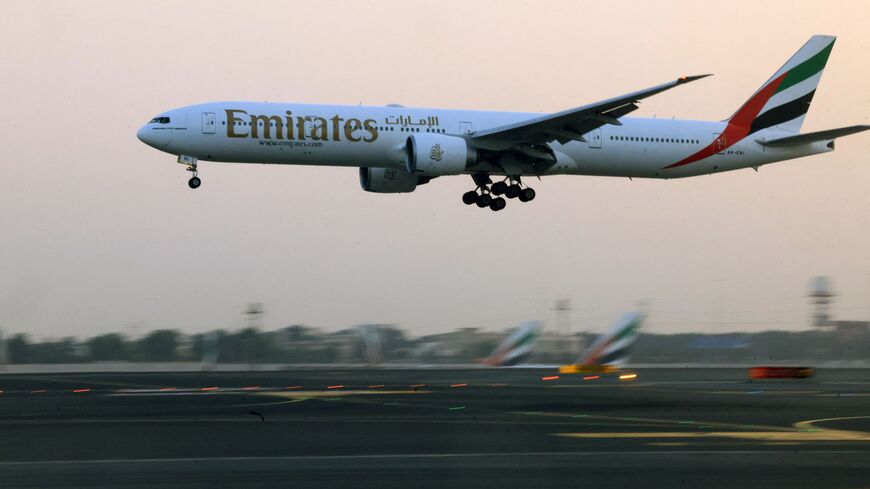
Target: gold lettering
column 300, row 128
column 335, row 130
column 289, row 124
column 231, row 123
column 372, row 129
column 349, row 127
column 320, row 132
column 267, row 126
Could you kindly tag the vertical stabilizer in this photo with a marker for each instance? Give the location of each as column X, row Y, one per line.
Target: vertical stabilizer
column 783, row 101
column 517, row 347
column 613, row 348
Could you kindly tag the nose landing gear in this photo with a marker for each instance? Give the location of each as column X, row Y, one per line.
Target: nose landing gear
column 191, row 162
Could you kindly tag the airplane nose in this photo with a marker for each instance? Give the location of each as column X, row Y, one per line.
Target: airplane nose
column 143, row 135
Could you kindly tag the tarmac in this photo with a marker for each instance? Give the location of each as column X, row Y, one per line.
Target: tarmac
column 428, row 428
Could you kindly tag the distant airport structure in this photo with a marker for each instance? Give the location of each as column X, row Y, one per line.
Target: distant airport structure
column 821, row 296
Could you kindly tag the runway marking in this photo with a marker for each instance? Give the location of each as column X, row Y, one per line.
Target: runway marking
column 340, row 393
column 779, row 436
column 405, row 456
column 803, row 431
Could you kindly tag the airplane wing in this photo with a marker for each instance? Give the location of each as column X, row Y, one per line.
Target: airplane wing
column 572, row 124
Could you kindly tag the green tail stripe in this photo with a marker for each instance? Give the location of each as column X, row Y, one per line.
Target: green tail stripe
column 523, row 340
column 628, row 330
column 806, row 69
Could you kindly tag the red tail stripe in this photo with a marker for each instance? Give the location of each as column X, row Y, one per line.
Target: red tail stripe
column 738, row 126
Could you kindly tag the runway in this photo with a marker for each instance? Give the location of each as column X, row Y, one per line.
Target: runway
column 434, row 428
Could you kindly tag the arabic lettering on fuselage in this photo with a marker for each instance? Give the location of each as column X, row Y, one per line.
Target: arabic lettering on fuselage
column 406, row 120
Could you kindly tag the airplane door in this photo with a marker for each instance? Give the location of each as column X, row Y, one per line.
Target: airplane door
column 719, row 140
column 208, row 123
column 594, row 139
column 465, row 128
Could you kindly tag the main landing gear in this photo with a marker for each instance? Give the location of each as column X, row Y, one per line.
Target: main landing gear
column 488, row 194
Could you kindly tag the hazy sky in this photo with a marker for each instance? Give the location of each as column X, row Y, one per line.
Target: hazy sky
column 100, row 232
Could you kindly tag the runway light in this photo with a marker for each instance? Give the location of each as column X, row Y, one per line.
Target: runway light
column 81, row 390
column 209, row 389
column 414, row 386
column 391, row 404
column 627, row 376
column 167, row 389
column 251, row 388
column 458, row 385
column 294, row 386
column 335, row 387
column 39, row 391
column 591, row 377
column 376, row 386
column 456, row 408
column 551, row 377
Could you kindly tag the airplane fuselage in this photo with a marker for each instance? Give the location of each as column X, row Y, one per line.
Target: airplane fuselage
column 361, row 136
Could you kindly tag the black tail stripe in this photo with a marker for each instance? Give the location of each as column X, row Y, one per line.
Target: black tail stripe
column 783, row 113
column 614, row 356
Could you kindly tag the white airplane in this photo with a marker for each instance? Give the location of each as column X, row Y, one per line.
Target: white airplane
column 398, row 148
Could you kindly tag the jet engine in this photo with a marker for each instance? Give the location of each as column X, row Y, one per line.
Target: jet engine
column 388, row 180
column 434, row 155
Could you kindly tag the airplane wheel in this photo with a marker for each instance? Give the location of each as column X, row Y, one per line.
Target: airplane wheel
column 499, row 188
column 527, row 194
column 498, row 204
column 194, row 182
column 469, row 198
column 512, row 191
column 484, row 200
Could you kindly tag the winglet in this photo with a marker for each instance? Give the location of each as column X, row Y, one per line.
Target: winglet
column 687, row 79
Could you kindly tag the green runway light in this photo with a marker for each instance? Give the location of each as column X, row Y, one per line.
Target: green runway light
column 391, row 404
column 456, row 408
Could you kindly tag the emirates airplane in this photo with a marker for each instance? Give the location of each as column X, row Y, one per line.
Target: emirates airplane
column 398, row 148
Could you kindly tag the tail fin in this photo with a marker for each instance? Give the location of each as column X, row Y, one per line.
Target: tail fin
column 613, row 348
column 516, row 348
column 783, row 100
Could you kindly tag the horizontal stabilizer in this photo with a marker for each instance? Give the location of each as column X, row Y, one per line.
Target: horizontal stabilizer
column 812, row 137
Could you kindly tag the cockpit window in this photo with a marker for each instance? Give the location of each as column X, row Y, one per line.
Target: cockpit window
column 160, row 120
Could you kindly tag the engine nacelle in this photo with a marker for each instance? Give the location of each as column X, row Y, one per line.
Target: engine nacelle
column 387, row 180
column 434, row 155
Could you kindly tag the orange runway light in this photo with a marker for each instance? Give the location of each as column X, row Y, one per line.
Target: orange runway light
column 376, row 386
column 294, row 386
column 335, row 387
column 591, row 377
column 251, row 388
column 167, row 389
column 627, row 376
column 209, row 389
column 458, row 385
column 81, row 390
column 551, row 377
